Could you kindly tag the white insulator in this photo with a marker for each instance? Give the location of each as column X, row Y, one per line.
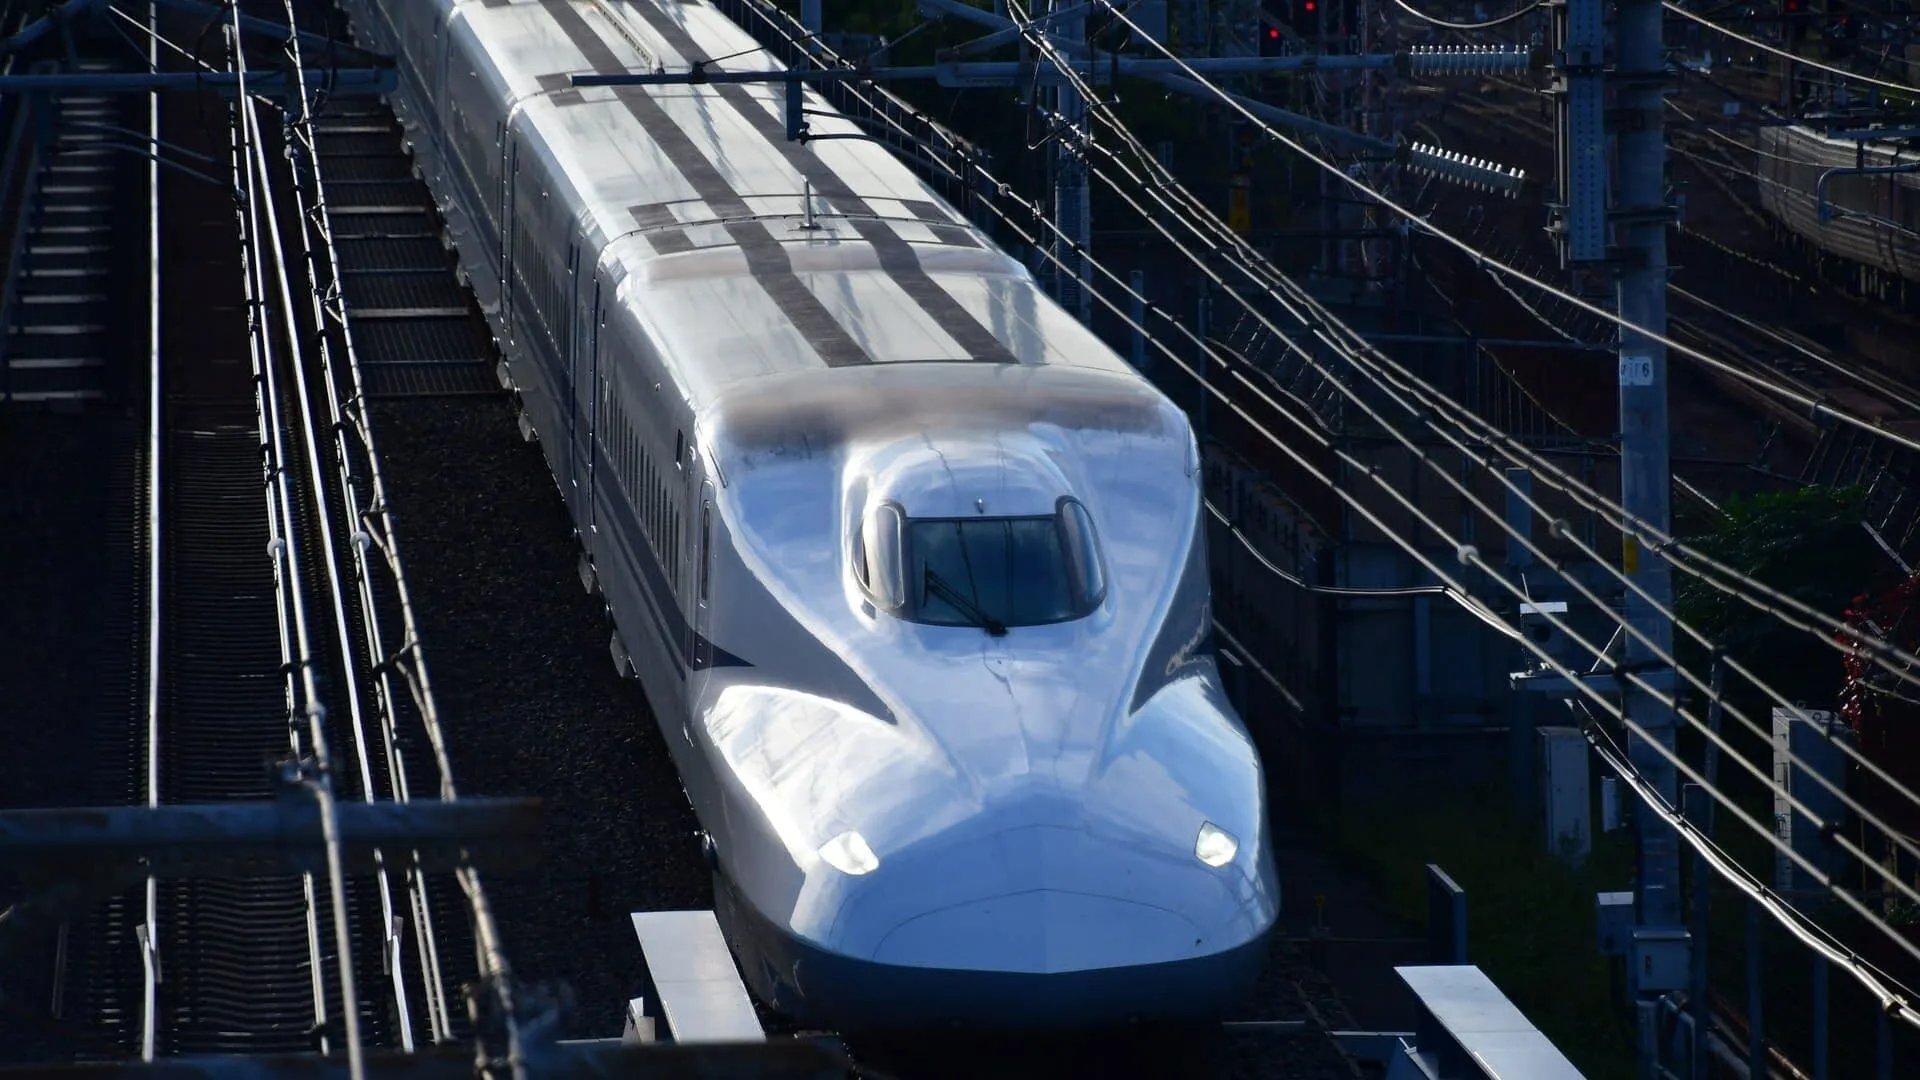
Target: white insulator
column 1466, row 59
column 1464, row 169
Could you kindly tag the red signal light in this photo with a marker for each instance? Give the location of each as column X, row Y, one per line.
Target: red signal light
column 1311, row 6
column 1272, row 33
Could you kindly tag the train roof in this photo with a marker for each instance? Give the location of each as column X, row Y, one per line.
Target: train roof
column 703, row 203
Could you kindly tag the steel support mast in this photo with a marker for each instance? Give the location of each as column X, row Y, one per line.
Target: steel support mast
column 1658, row 955
column 1071, row 204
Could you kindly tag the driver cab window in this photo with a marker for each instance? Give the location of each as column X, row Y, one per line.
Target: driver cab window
column 993, row 572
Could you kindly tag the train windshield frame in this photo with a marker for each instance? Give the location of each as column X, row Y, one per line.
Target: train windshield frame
column 992, row 572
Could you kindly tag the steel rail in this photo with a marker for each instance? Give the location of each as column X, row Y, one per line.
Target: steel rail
column 302, row 151
column 252, row 173
column 331, row 565
column 279, row 543
column 156, row 437
column 409, row 660
column 321, row 782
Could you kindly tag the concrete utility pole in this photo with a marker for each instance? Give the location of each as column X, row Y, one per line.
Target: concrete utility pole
column 1659, row 950
column 1641, row 216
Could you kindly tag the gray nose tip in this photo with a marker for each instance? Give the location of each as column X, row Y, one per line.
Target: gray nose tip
column 1043, row 931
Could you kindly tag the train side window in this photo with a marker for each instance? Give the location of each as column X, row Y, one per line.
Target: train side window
column 879, row 550
column 679, row 447
column 1083, row 554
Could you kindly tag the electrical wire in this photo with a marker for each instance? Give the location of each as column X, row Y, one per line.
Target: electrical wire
column 490, row 956
column 1501, row 20
column 1165, row 182
column 257, row 191
column 1893, row 393
column 293, row 125
column 1783, row 54
column 1795, row 921
column 1420, row 222
column 1631, row 725
column 1839, row 636
column 1465, row 553
column 1897, row 1004
column 1661, row 653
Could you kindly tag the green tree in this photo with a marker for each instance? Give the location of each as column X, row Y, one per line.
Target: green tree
column 1808, row 543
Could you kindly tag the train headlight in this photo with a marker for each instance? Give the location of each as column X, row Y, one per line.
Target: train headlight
column 1215, row 846
column 849, row 854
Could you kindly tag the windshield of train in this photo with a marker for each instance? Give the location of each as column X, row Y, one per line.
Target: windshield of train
column 990, row 572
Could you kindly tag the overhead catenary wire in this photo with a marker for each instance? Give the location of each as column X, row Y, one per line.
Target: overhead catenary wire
column 490, row 956
column 1826, row 880
column 1482, row 260
column 1663, row 654
column 337, row 585
column 1796, row 922
column 1595, row 650
column 1166, row 182
column 1803, row 61
column 776, row 18
column 1832, row 632
column 257, row 191
column 1488, row 24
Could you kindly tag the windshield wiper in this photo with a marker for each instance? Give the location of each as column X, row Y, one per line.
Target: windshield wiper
column 967, row 608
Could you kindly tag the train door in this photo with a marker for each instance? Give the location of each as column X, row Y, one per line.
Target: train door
column 700, row 649
column 592, row 390
column 579, row 378
column 509, row 233
column 702, row 789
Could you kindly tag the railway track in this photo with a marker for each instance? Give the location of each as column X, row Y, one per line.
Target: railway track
column 253, row 965
column 258, row 644
column 74, row 393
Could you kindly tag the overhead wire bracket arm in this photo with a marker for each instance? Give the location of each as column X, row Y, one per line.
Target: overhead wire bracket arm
column 1008, row 33
column 684, row 78
column 1177, row 75
column 1271, row 114
column 1820, row 185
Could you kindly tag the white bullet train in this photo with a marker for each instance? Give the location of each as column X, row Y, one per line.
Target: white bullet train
column 910, row 563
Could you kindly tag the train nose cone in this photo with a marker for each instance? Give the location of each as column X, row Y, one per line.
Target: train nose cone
column 1042, row 931
column 1040, row 925
column 1048, row 898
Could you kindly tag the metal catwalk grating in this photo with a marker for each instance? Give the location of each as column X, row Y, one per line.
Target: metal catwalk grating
column 387, row 341
column 348, row 195
column 332, row 145
column 403, row 290
column 358, row 168
column 397, row 222
column 392, row 253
